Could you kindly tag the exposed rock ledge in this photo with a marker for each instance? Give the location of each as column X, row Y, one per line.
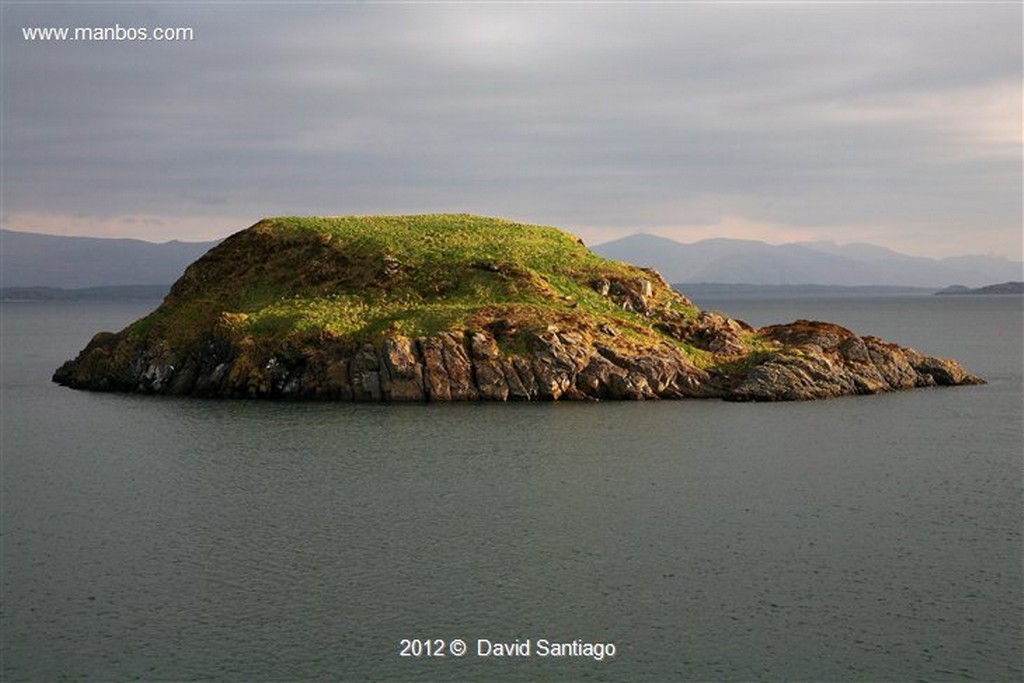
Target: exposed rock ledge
column 462, row 308
column 819, row 360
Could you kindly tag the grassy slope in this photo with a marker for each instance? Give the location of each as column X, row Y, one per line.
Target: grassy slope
column 302, row 281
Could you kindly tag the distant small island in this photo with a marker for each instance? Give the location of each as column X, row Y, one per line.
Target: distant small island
column 452, row 307
column 110, row 293
column 1001, row 288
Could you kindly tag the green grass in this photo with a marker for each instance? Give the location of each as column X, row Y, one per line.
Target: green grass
column 360, row 278
column 442, row 239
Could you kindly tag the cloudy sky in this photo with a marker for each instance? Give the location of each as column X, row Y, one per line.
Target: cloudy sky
column 897, row 124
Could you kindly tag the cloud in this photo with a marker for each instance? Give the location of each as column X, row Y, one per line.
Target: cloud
column 835, row 119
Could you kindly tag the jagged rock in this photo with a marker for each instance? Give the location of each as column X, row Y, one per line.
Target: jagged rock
column 489, row 372
column 632, row 295
column 667, row 375
column 714, row 332
column 459, row 367
column 824, row 360
column 596, row 380
column 435, row 375
column 517, row 389
column 403, row 380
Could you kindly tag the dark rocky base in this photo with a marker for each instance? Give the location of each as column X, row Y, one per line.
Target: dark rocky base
column 816, row 360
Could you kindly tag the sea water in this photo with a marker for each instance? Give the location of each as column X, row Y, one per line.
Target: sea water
column 864, row 538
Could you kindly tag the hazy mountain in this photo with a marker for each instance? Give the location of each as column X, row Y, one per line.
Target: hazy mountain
column 823, row 263
column 32, row 260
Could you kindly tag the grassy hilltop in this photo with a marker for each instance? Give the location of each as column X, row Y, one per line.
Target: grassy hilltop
column 361, row 279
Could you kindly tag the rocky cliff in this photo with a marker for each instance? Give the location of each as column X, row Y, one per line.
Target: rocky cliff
column 464, row 308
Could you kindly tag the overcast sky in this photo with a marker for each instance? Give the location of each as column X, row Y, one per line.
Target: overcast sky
column 896, row 124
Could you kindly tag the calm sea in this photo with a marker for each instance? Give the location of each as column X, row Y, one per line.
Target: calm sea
column 858, row 539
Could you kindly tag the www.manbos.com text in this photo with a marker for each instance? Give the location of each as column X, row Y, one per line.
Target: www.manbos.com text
column 114, row 34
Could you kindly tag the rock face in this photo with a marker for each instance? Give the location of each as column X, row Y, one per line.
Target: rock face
column 595, row 330
column 818, row 360
column 823, row 360
column 450, row 366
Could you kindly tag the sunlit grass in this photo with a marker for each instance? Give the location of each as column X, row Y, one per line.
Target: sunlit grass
column 361, row 278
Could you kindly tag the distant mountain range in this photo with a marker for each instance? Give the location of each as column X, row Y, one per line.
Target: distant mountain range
column 799, row 263
column 34, row 260
column 1000, row 288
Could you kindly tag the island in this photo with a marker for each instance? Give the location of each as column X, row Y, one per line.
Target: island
column 1001, row 288
column 457, row 307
